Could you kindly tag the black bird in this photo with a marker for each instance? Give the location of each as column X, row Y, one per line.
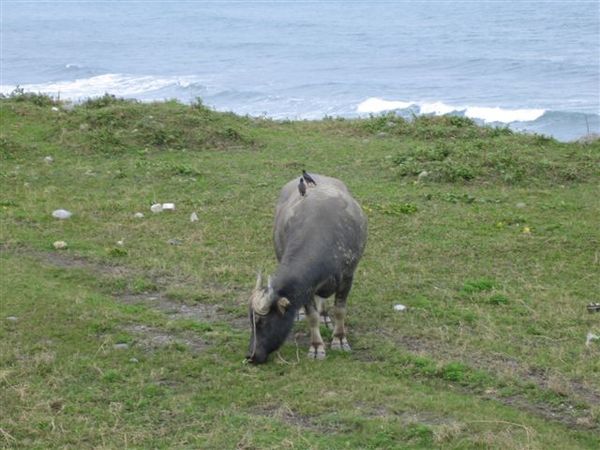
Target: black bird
column 308, row 178
column 302, row 187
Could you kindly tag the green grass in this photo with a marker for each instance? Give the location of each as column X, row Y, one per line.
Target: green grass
column 495, row 251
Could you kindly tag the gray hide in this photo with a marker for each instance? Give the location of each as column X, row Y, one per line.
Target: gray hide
column 319, row 239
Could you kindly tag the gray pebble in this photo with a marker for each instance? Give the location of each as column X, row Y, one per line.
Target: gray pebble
column 12, row 318
column 121, row 346
column 61, row 214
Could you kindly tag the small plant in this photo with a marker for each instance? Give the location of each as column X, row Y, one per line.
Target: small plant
column 104, row 101
column 480, row 285
column 396, row 209
column 454, row 372
column 38, row 99
column 117, row 252
column 498, row 299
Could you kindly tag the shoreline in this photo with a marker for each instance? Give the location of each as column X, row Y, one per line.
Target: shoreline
column 563, row 126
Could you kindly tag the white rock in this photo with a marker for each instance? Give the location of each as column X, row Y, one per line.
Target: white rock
column 61, row 214
column 121, row 242
column 59, row 245
column 423, row 174
column 399, row 307
column 591, row 337
column 138, row 215
column 168, row 206
column 194, row 217
column 12, row 318
column 133, row 360
column 156, row 208
column 49, row 159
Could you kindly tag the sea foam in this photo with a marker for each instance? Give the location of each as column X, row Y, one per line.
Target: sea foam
column 375, row 105
column 121, row 85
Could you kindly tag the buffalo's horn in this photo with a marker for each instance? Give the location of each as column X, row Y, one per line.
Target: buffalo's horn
column 261, row 304
column 282, row 304
column 258, row 280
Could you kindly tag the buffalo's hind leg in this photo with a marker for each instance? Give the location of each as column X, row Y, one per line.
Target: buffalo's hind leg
column 317, row 346
column 340, row 341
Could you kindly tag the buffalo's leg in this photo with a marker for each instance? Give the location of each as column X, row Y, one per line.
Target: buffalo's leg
column 317, row 347
column 340, row 341
column 320, row 305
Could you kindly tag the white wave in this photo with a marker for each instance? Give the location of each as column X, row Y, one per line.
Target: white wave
column 503, row 115
column 486, row 114
column 117, row 84
column 437, row 108
column 377, row 105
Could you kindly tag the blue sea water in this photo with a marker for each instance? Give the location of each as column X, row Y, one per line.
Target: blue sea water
column 530, row 65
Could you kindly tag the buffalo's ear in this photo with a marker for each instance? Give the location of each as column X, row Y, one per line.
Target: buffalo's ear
column 283, row 304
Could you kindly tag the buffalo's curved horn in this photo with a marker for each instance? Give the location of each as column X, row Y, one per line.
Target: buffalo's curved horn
column 258, row 280
column 261, row 304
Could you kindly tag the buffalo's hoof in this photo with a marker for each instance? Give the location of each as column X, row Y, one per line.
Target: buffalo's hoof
column 316, row 352
column 340, row 344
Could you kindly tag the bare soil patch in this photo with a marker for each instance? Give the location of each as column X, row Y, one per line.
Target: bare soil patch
column 149, row 338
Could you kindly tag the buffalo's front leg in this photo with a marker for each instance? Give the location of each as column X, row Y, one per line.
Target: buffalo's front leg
column 317, row 346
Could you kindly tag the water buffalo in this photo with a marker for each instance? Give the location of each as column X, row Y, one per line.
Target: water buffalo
column 319, row 239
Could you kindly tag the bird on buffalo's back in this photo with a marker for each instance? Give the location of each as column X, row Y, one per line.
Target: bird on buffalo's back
column 308, row 178
column 302, row 187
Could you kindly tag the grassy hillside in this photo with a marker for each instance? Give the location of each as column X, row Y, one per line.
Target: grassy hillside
column 134, row 335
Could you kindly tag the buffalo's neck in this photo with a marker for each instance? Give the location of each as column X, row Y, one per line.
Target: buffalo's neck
column 295, row 281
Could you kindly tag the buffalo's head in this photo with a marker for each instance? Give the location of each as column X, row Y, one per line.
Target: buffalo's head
column 271, row 319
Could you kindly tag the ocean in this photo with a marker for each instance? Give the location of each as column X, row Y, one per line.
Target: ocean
column 529, row 65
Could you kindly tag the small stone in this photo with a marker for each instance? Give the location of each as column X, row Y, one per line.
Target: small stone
column 12, row 318
column 49, row 159
column 194, row 217
column 54, row 108
column 61, row 214
column 156, row 208
column 133, row 360
column 59, row 245
column 520, row 205
column 591, row 337
column 121, row 242
column 121, row 346
column 399, row 307
column 168, row 206
column 174, row 242
column 423, row 174
column 138, row 215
